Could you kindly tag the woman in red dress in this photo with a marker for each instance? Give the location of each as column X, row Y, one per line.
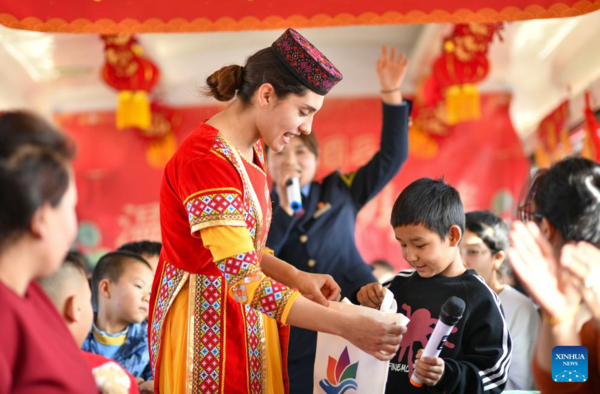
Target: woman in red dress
column 221, row 301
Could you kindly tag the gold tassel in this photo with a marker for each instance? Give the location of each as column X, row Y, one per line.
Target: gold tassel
column 123, row 104
column 471, row 104
column 453, row 104
column 133, row 110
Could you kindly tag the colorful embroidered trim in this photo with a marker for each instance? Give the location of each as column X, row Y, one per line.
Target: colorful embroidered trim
column 236, row 268
column 208, row 335
column 210, row 207
column 172, row 281
column 271, row 298
column 256, row 349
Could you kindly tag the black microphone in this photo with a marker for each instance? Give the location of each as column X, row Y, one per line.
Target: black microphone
column 452, row 312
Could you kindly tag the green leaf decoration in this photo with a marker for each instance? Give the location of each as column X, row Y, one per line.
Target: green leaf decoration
column 350, row 372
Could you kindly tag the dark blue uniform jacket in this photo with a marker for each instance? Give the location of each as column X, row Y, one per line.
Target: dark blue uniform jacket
column 322, row 239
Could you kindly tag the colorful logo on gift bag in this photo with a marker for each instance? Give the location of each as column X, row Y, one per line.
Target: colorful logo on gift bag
column 341, row 376
column 570, row 364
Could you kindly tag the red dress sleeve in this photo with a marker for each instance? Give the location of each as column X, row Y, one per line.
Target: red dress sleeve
column 212, row 193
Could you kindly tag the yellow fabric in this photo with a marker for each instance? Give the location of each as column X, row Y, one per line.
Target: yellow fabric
column 274, row 357
column 269, row 251
column 174, row 350
column 288, row 307
column 173, row 359
column 226, row 241
column 108, row 340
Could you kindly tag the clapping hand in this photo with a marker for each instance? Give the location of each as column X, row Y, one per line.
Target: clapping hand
column 534, row 261
column 582, row 261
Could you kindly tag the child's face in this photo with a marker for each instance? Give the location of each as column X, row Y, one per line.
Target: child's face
column 130, row 295
column 427, row 253
column 477, row 256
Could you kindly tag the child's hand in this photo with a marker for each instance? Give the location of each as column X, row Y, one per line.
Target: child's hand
column 146, row 387
column 371, row 295
column 429, row 370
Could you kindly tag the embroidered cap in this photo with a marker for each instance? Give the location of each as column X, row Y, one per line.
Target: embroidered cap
column 306, row 62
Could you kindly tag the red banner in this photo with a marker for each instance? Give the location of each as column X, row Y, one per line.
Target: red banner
column 118, row 185
column 137, row 16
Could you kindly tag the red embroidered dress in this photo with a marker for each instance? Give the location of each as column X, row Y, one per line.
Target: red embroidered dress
column 215, row 213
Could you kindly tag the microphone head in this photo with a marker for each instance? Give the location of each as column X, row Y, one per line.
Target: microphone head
column 452, row 311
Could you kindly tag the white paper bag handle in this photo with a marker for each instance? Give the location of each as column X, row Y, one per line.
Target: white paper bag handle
column 389, row 304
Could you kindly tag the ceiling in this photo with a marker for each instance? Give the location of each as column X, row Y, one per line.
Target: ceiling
column 541, row 62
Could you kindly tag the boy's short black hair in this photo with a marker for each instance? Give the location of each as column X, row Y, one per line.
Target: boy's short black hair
column 431, row 203
column 111, row 266
column 151, row 248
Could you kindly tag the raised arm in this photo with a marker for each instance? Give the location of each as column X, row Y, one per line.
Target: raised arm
column 365, row 183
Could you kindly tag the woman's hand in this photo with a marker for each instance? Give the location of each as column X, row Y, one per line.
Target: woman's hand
column 317, row 287
column 391, row 73
column 533, row 260
column 379, row 339
column 371, row 295
column 582, row 261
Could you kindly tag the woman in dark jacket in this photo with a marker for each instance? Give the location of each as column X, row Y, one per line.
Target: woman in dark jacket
column 320, row 237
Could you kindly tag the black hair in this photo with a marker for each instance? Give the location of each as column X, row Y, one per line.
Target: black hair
column 76, row 257
column 490, row 228
column 568, row 196
column 111, row 266
column 383, row 264
column 493, row 231
column 262, row 67
column 431, row 203
column 151, row 248
column 55, row 284
column 34, row 167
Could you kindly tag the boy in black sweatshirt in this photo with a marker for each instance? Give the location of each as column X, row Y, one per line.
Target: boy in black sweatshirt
column 428, row 221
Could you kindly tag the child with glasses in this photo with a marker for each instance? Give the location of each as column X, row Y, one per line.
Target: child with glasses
column 484, row 249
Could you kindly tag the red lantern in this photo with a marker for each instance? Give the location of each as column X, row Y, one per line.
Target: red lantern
column 133, row 76
column 462, row 65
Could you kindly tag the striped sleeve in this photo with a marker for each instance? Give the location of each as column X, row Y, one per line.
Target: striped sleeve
column 487, row 349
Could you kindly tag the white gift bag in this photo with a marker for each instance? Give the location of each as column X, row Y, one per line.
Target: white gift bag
column 341, row 367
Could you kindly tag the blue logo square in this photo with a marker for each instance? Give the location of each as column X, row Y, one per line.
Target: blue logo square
column 570, row 364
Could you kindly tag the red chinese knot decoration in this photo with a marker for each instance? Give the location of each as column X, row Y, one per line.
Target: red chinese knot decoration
column 133, row 75
column 462, row 65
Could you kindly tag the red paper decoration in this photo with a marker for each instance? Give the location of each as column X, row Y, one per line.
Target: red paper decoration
column 462, row 65
column 133, row 75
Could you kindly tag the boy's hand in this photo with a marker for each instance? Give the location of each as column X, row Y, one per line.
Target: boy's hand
column 429, row 370
column 371, row 295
